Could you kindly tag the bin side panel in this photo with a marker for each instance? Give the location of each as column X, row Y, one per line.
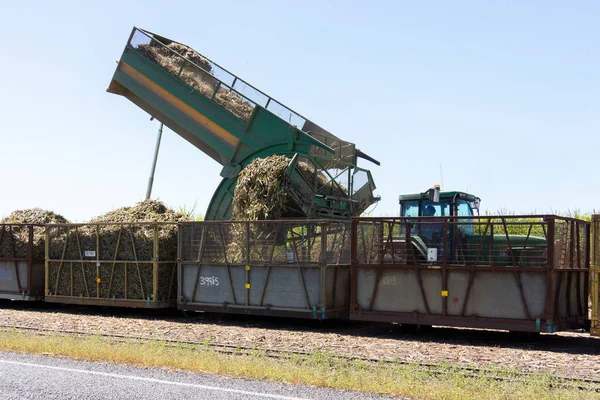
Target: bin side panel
column 8, row 276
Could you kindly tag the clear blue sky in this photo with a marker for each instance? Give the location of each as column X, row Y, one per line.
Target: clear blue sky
column 505, row 96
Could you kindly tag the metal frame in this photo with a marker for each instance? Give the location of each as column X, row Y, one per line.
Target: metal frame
column 595, row 276
column 24, row 289
column 106, row 297
column 228, row 263
column 573, row 267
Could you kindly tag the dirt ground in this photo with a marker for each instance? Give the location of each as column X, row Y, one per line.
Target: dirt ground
column 569, row 354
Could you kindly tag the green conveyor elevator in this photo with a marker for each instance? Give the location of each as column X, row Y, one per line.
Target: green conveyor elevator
column 234, row 123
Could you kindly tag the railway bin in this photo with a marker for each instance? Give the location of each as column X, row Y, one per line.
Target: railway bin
column 21, row 262
column 595, row 276
column 279, row 268
column 112, row 264
column 528, row 274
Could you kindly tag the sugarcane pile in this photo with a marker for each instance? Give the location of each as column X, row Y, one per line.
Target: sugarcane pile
column 14, row 239
column 260, row 192
column 115, row 250
column 261, row 195
column 198, row 74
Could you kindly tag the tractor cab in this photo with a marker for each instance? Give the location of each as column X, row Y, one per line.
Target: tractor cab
column 429, row 232
column 433, row 203
column 465, row 237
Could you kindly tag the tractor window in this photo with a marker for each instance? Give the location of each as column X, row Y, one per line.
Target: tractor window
column 464, row 208
column 442, row 209
column 410, row 208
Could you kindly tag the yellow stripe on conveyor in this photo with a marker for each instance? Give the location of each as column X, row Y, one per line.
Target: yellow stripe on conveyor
column 178, row 104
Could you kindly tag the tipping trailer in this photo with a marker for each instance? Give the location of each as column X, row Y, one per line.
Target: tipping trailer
column 234, row 123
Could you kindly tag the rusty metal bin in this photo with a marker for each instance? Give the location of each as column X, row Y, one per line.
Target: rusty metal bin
column 112, row 264
column 279, row 268
column 595, row 277
column 21, row 262
column 516, row 273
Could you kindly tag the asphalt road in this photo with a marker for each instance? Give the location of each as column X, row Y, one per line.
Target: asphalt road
column 41, row 377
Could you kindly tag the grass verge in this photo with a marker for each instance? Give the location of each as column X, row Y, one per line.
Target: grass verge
column 321, row 369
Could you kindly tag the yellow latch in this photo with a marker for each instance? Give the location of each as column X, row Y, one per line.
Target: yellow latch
column 247, row 286
column 444, row 293
column 247, row 268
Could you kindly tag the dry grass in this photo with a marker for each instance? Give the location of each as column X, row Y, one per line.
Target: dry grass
column 324, row 370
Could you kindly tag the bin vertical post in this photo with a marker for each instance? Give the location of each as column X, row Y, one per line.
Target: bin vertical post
column 47, row 260
column 548, row 312
column 180, row 227
column 29, row 258
column 98, row 280
column 247, row 263
column 595, row 275
column 381, row 246
column 447, row 226
column 323, row 267
column 586, row 266
column 353, row 261
column 155, row 256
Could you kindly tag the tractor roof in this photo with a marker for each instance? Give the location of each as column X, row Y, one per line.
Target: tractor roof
column 443, row 195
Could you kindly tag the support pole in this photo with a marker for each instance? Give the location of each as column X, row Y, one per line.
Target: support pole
column 151, row 179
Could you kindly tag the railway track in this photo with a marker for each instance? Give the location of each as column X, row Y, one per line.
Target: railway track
column 590, row 385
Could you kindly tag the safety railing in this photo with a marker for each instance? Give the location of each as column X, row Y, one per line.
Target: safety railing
column 265, row 242
column 516, row 241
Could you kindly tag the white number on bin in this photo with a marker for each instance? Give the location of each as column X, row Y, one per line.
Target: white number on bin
column 209, row 281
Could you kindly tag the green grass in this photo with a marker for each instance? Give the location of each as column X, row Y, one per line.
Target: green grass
column 321, row 369
column 190, row 213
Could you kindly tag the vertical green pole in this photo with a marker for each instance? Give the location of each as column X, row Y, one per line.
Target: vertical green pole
column 151, row 179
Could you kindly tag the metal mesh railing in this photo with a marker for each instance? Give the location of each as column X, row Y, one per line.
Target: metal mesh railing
column 269, row 242
column 472, row 241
